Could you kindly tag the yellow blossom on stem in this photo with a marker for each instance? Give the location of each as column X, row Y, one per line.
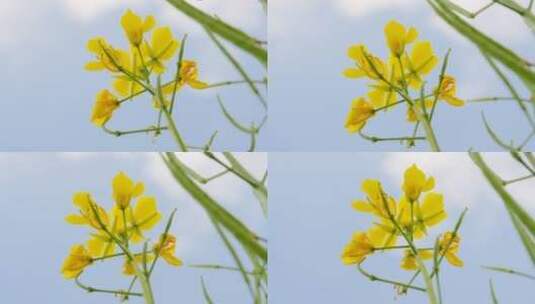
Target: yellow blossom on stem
column 124, row 189
column 408, row 262
column 143, row 217
column 448, row 91
column 129, row 84
column 106, row 56
column 76, row 262
column 398, row 37
column 361, row 110
column 105, row 104
column 100, row 244
column 431, row 211
column 87, row 215
column 162, row 47
column 449, row 247
column 412, row 111
column 362, row 57
column 134, row 26
column 189, row 74
column 382, row 95
column 361, row 245
column 374, row 203
column 129, row 267
column 415, row 182
column 421, row 62
column 166, row 249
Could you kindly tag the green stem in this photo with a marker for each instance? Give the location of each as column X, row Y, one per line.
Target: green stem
column 427, row 279
column 174, row 131
column 373, row 278
column 378, row 139
column 170, row 121
column 110, row 291
column 136, row 131
column 143, row 279
column 429, row 133
column 505, row 183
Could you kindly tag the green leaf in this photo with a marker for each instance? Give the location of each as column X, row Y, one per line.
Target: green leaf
column 492, row 293
column 235, row 257
column 261, row 194
column 522, row 221
column 488, row 45
column 238, row 67
column 510, row 271
column 205, row 293
column 233, row 120
column 226, row 31
column 243, row 234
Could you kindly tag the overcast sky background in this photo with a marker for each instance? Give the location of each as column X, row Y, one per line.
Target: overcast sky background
column 310, row 97
column 311, row 220
column 47, row 96
column 37, row 194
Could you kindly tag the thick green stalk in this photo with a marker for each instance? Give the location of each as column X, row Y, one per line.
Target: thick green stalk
column 174, row 131
column 224, row 30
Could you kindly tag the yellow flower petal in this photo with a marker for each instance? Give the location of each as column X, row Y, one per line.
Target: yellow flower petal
column 105, row 104
column 359, row 113
column 354, row 73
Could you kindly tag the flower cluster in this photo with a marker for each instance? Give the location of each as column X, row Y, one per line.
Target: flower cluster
column 409, row 61
column 411, row 216
column 150, row 48
column 123, row 226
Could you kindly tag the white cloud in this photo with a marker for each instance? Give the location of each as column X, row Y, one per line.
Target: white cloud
column 83, row 156
column 460, row 180
column 85, row 10
column 360, row 8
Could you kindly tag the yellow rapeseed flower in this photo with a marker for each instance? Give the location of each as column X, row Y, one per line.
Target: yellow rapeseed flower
column 105, row 104
column 361, row 110
column 424, row 215
column 75, row 262
column 367, row 64
column 162, row 47
column 87, row 215
column 382, row 94
column 189, row 74
column 166, row 249
column 448, row 91
column 362, row 244
column 450, row 252
column 421, row 62
column 101, row 244
column 134, row 26
column 124, row 189
column 142, row 217
column 397, row 37
column 415, row 182
column 374, row 202
column 431, row 211
column 106, row 56
column 408, row 262
column 128, row 266
column 412, row 111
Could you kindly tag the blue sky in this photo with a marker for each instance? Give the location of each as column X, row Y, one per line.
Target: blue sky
column 311, row 220
column 310, row 98
column 37, row 191
column 47, row 96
